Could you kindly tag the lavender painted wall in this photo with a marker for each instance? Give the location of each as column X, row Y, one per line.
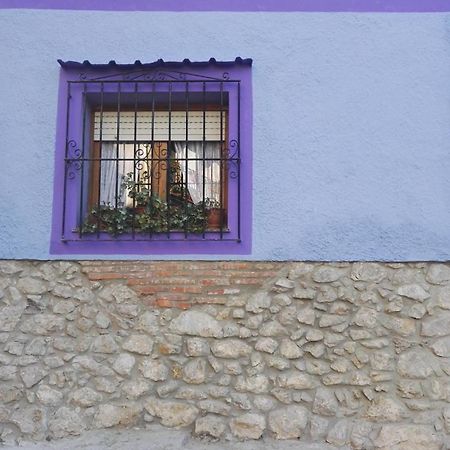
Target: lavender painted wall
column 351, row 122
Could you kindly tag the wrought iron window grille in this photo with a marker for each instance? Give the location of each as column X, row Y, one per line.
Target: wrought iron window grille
column 152, row 155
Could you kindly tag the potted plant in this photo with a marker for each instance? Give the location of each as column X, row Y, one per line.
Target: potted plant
column 105, row 217
column 154, row 218
column 215, row 214
column 138, row 191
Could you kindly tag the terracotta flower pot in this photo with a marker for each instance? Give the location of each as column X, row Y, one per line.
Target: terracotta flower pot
column 214, row 218
column 140, row 209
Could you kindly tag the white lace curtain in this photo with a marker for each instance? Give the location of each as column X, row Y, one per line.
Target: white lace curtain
column 195, row 166
column 112, row 170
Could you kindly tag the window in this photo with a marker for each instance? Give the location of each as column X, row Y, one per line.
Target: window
column 152, row 159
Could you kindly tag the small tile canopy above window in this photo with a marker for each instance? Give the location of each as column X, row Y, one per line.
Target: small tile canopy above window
column 153, row 158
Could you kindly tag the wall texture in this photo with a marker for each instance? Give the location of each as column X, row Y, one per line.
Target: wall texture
column 352, row 354
column 350, row 133
column 350, row 122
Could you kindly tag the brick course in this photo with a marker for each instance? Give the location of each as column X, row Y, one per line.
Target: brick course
column 180, row 284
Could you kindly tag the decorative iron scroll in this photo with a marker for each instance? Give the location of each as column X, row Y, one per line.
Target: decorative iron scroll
column 232, row 159
column 159, row 75
column 74, row 160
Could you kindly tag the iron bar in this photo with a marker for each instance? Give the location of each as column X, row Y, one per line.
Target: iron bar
column 100, row 151
column 172, row 239
column 239, row 163
column 168, row 166
column 66, row 167
column 134, row 159
column 186, row 161
column 83, row 142
column 117, row 151
column 221, row 202
column 203, row 152
column 235, row 159
column 152, row 148
column 214, row 80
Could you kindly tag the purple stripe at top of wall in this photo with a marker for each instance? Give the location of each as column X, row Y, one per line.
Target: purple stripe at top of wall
column 236, row 5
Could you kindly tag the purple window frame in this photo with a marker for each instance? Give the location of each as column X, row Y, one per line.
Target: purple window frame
column 238, row 5
column 240, row 113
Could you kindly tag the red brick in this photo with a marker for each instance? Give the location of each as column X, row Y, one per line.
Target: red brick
column 216, row 292
column 161, row 280
column 201, row 265
column 106, row 276
column 165, row 303
column 171, row 297
column 236, row 265
column 125, row 268
column 136, row 273
column 133, row 281
column 167, row 265
column 207, row 273
column 268, row 265
column 165, row 273
column 215, row 282
column 155, row 288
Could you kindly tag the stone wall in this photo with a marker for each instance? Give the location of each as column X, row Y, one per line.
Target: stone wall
column 352, row 354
